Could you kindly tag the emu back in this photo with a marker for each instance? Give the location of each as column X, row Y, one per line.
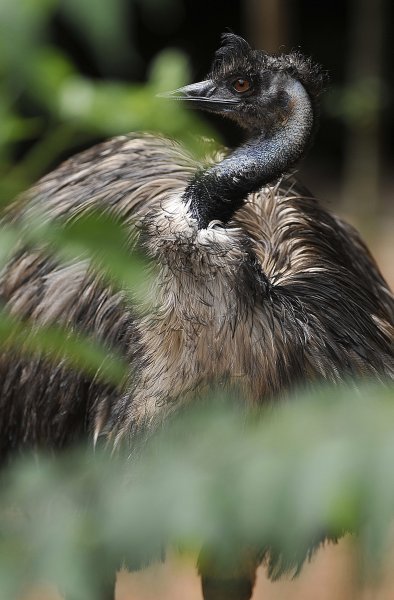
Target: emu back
column 285, row 293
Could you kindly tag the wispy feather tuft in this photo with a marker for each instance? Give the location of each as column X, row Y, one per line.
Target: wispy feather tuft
column 234, row 54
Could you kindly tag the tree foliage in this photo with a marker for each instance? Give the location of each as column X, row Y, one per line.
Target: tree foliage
column 280, row 479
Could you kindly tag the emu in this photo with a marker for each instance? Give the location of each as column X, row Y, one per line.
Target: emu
column 256, row 283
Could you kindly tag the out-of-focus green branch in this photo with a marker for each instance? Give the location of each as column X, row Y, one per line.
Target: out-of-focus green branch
column 319, row 465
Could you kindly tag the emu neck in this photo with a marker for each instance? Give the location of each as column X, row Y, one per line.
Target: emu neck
column 215, row 194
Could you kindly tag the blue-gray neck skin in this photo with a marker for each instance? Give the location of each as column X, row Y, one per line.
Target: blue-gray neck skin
column 215, row 194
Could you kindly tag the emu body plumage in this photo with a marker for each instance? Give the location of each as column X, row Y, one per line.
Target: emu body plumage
column 256, row 283
column 285, row 293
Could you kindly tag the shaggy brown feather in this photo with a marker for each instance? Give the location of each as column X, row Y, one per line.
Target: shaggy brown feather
column 285, row 293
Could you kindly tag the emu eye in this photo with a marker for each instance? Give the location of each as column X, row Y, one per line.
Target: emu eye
column 241, row 85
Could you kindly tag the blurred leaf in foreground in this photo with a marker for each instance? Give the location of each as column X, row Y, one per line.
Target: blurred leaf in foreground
column 76, row 350
column 276, row 479
column 105, row 26
column 101, row 238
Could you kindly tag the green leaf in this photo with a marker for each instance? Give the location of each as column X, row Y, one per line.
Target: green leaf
column 101, row 237
column 214, row 476
column 105, row 26
column 78, row 351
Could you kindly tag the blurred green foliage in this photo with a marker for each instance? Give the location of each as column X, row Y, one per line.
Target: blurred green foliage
column 77, row 350
column 357, row 104
column 279, row 479
column 73, row 108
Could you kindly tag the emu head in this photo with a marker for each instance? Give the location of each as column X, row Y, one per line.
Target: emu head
column 250, row 86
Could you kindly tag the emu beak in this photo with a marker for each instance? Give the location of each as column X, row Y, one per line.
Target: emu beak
column 204, row 95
